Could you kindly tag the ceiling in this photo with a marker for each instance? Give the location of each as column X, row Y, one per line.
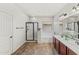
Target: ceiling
column 34, row 9
column 10, row 9
column 40, row 9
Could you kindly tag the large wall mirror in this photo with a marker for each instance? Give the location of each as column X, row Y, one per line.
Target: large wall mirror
column 74, row 26
column 70, row 26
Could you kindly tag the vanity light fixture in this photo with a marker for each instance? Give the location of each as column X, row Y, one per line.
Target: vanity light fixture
column 78, row 6
column 65, row 14
column 74, row 9
column 62, row 16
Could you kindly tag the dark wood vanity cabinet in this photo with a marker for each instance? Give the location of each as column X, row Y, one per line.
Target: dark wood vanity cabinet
column 70, row 52
column 61, row 48
column 57, row 45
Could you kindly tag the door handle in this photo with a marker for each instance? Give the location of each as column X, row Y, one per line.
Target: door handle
column 11, row 36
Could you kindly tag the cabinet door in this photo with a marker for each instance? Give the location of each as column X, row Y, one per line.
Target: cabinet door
column 54, row 42
column 57, row 45
column 70, row 52
column 62, row 49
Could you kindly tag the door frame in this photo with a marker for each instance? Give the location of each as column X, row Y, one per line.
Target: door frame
column 33, row 30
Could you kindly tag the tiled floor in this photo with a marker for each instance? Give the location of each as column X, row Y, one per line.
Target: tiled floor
column 32, row 48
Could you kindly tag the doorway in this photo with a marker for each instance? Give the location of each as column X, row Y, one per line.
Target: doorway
column 31, row 31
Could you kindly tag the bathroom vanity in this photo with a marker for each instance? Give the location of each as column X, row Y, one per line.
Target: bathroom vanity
column 67, row 26
column 65, row 47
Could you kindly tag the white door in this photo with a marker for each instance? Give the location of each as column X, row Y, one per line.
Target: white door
column 29, row 31
column 5, row 34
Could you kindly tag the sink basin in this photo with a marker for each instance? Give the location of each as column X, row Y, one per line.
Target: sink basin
column 71, row 41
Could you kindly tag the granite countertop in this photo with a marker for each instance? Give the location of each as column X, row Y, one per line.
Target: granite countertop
column 69, row 43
